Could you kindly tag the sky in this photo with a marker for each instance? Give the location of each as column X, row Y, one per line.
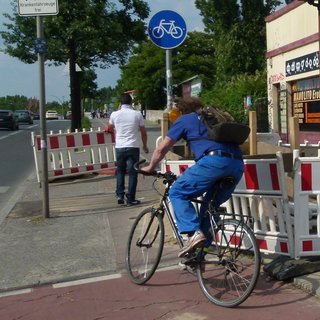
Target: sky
column 17, row 78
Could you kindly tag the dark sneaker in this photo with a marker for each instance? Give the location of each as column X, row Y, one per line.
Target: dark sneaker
column 194, row 242
column 133, row 202
column 120, row 201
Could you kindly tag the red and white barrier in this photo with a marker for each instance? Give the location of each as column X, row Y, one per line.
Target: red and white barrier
column 261, row 176
column 75, row 153
column 307, row 206
column 261, row 194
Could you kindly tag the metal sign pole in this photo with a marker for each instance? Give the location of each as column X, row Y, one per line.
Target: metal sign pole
column 167, row 30
column 43, row 129
column 169, row 78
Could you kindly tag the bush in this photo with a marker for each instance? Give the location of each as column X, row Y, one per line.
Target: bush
column 230, row 95
column 86, row 123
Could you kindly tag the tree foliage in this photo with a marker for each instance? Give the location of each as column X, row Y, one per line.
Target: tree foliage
column 145, row 73
column 239, row 39
column 89, row 33
column 146, row 69
column 196, row 56
column 14, row 102
column 106, row 96
column 239, row 32
column 229, row 57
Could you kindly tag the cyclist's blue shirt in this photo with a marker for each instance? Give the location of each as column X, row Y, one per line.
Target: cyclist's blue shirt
column 187, row 127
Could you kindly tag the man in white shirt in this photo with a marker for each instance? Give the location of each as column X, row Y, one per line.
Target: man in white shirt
column 127, row 123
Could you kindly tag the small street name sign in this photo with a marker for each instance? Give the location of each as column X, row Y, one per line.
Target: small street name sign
column 38, row 7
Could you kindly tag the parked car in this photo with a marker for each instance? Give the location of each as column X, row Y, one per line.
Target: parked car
column 24, row 116
column 50, row 114
column 8, row 120
column 36, row 116
column 68, row 115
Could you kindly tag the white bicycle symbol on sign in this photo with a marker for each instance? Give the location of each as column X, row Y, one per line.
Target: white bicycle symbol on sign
column 168, row 28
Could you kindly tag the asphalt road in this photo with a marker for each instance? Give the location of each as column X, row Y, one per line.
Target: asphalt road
column 17, row 161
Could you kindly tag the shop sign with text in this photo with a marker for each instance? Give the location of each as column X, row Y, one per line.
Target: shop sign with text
column 302, row 64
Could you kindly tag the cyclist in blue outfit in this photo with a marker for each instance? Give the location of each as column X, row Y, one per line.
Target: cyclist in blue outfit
column 213, row 161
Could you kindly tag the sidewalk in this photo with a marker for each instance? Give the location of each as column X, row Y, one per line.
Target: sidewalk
column 84, row 237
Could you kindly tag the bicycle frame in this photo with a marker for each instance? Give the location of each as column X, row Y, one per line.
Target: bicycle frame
column 214, row 225
column 164, row 206
column 165, row 209
column 227, row 270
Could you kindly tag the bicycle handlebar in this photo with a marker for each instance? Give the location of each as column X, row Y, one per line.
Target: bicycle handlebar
column 137, row 168
column 169, row 176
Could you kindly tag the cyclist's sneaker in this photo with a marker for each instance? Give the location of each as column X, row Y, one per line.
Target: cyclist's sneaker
column 194, row 242
column 190, row 264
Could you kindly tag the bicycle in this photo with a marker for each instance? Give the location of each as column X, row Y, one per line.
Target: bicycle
column 167, row 28
column 227, row 271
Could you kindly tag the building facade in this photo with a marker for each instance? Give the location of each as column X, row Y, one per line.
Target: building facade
column 293, row 70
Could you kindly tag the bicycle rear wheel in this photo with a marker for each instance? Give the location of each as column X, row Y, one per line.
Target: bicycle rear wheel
column 231, row 268
column 145, row 245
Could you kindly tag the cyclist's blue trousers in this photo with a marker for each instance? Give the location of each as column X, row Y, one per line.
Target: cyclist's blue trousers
column 197, row 180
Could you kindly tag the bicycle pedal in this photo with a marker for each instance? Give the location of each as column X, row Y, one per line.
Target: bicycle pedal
column 189, row 258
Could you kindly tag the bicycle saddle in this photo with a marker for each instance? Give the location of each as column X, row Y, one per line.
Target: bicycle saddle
column 226, row 182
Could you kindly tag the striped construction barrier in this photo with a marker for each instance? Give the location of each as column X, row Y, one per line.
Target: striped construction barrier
column 306, row 216
column 260, row 194
column 75, row 153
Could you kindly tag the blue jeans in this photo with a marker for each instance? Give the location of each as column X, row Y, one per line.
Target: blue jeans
column 126, row 158
column 197, row 180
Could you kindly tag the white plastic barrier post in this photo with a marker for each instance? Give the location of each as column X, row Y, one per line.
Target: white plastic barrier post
column 307, row 206
column 76, row 153
column 261, row 194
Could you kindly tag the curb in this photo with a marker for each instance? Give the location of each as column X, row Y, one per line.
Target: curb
column 309, row 283
column 17, row 195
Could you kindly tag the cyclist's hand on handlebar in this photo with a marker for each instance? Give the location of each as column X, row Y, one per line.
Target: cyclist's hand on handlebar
column 145, row 170
column 148, row 170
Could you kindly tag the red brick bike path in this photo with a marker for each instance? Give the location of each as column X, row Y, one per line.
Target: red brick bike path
column 170, row 294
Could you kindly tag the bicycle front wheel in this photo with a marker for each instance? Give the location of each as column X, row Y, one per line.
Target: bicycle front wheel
column 145, row 245
column 230, row 270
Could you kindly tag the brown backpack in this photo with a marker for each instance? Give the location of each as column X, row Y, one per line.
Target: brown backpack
column 221, row 126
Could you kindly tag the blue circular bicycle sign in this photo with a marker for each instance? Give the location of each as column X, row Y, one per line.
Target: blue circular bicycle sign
column 167, row 29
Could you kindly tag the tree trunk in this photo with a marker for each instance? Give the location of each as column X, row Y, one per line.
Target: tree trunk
column 74, row 91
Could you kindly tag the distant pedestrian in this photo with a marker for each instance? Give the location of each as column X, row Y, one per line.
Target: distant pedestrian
column 144, row 112
column 98, row 113
column 127, row 123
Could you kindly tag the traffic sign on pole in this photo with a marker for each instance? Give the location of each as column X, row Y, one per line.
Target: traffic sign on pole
column 167, row 29
column 38, row 7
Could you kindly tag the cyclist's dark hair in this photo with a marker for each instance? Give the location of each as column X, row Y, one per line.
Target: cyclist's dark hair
column 188, row 105
column 126, row 99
